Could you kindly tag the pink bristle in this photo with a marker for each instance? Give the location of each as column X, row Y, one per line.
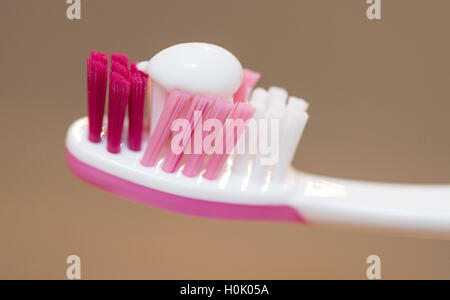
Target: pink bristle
column 219, row 111
column 119, row 90
column 136, row 105
column 198, row 104
column 175, row 105
column 97, row 77
column 244, row 112
column 248, row 83
column 120, row 58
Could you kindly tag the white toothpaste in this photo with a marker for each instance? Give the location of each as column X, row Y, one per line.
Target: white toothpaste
column 199, row 68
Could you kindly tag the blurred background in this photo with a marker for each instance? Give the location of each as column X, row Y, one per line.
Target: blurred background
column 379, row 111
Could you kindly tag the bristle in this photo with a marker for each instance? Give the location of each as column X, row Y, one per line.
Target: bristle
column 97, row 76
column 276, row 114
column 243, row 112
column 250, row 78
column 198, row 104
column 219, row 111
column 241, row 161
column 277, row 96
column 176, row 102
column 297, row 104
column 119, row 90
column 260, row 96
column 134, row 68
column 100, row 57
column 138, row 86
column 120, row 58
column 117, row 67
column 295, row 122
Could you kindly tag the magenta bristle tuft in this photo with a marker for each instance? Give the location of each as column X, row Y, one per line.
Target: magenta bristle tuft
column 99, row 56
column 120, row 58
column 117, row 67
column 138, row 87
column 97, row 77
column 119, row 91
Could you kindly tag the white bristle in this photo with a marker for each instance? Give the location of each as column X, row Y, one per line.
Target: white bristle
column 259, row 95
column 298, row 104
column 277, row 95
column 276, row 111
column 271, row 105
column 294, row 125
column 241, row 161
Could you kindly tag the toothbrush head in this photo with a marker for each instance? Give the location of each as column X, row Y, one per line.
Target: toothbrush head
column 192, row 161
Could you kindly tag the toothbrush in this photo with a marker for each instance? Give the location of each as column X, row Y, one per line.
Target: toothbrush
column 208, row 79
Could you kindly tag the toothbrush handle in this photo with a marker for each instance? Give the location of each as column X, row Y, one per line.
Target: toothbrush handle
column 415, row 210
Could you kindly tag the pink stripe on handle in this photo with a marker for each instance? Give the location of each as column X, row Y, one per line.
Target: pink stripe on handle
column 198, row 104
column 180, row 204
column 220, row 111
column 97, row 77
column 242, row 113
column 175, row 105
column 248, row 83
column 136, row 105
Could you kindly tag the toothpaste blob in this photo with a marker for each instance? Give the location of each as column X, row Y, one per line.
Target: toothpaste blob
column 198, row 68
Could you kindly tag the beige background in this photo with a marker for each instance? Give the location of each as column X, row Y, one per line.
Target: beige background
column 379, row 94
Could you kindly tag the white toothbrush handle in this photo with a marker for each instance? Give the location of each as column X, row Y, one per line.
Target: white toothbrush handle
column 416, row 210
